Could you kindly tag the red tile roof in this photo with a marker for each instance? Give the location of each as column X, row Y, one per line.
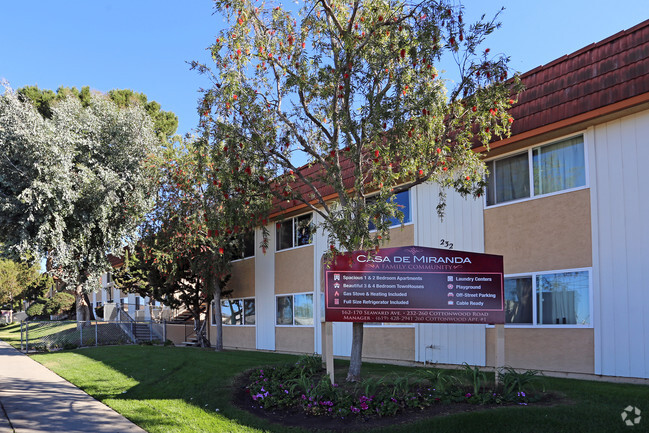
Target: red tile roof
column 601, row 74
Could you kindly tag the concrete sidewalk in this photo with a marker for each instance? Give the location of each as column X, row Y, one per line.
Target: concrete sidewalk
column 37, row 400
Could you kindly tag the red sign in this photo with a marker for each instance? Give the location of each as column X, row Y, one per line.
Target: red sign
column 415, row 285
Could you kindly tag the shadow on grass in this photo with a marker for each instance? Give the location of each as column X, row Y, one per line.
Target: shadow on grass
column 158, row 387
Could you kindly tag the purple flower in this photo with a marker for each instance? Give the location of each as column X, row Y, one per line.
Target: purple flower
column 468, row 394
column 286, row 391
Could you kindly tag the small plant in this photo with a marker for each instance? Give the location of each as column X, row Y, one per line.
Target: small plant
column 310, row 363
column 437, row 377
column 371, row 385
column 515, row 383
column 476, row 377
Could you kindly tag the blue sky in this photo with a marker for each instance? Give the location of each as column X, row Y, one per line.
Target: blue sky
column 144, row 44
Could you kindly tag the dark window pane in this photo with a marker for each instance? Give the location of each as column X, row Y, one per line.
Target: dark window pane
column 249, row 311
column 249, row 244
column 518, row 300
column 284, row 310
column 284, row 232
column 303, row 229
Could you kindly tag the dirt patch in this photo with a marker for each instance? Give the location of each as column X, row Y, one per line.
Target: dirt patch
column 355, row 423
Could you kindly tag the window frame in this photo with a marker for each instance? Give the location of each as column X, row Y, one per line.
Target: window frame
column 535, row 324
column 292, row 295
column 243, row 309
column 530, row 165
column 294, row 232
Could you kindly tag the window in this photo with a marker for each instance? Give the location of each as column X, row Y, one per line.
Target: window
column 555, row 167
column 248, row 249
column 402, row 200
column 294, row 232
column 236, row 312
column 548, row 298
column 295, row 310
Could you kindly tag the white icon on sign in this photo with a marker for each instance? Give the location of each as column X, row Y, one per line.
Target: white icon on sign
column 336, row 277
column 450, row 302
column 450, row 286
column 336, row 285
column 449, row 278
column 336, row 301
column 450, row 294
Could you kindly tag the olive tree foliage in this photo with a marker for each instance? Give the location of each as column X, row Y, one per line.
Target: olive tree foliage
column 355, row 87
column 75, row 186
column 198, row 226
column 15, row 278
column 165, row 123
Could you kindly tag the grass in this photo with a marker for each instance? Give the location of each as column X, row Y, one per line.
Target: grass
column 168, row 389
column 11, row 334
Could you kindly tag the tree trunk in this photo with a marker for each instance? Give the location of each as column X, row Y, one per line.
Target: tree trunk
column 83, row 312
column 354, row 372
column 91, row 312
column 199, row 329
column 219, row 322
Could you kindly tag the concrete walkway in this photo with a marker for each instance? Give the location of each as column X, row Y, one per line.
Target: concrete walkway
column 35, row 400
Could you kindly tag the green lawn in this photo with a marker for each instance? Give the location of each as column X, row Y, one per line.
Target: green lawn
column 11, row 334
column 168, row 389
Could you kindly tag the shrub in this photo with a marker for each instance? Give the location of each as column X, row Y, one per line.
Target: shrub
column 59, row 303
column 37, row 308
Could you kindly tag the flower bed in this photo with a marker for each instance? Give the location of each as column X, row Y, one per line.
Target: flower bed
column 304, row 386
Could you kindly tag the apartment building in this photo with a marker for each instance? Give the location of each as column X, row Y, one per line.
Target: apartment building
column 564, row 208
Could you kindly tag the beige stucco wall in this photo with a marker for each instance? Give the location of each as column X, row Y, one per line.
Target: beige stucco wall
column 389, row 343
column 242, row 282
column 176, row 333
column 401, row 237
column 294, row 270
column 561, row 349
column 294, row 339
column 542, row 234
column 236, row 337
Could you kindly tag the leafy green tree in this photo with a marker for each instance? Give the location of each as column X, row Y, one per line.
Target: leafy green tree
column 165, row 123
column 354, row 87
column 75, row 186
column 199, row 225
column 40, row 287
column 15, row 277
